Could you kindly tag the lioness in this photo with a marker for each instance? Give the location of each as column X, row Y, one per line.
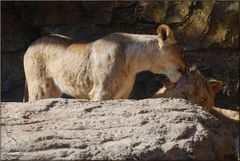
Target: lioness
column 98, row 70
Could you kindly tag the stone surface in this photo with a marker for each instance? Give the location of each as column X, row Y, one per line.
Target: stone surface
column 150, row 129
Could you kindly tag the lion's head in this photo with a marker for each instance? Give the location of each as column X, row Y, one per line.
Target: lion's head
column 194, row 87
column 169, row 61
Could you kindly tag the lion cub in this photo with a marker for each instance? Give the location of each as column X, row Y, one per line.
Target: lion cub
column 194, row 87
column 99, row 70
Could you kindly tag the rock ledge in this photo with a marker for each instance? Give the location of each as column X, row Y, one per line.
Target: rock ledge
column 150, row 129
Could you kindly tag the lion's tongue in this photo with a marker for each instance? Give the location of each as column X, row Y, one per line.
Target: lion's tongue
column 181, row 82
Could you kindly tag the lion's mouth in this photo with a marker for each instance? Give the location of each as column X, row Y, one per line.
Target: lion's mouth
column 174, row 77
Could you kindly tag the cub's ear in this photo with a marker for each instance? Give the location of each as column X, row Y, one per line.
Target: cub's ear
column 216, row 85
column 165, row 35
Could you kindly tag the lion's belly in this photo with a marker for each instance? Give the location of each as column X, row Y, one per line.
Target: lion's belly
column 76, row 89
column 71, row 74
column 76, row 85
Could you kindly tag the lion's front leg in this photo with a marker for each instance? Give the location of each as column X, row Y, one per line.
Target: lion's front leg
column 99, row 93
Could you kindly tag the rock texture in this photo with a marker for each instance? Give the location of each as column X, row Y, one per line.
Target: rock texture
column 198, row 25
column 150, row 129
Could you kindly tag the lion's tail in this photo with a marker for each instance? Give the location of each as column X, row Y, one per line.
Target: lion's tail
column 26, row 95
column 229, row 115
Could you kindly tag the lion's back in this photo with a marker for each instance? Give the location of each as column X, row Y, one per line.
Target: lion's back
column 50, row 43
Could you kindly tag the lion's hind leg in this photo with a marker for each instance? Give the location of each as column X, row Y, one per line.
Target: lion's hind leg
column 42, row 89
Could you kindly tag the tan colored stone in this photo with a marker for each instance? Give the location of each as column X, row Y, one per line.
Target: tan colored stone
column 150, row 129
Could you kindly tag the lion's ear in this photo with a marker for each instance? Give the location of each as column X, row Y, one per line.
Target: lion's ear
column 216, row 85
column 165, row 35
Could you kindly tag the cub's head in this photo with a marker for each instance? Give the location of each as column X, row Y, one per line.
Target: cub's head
column 171, row 57
column 194, row 87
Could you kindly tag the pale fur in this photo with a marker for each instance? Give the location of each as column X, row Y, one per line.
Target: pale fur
column 98, row 70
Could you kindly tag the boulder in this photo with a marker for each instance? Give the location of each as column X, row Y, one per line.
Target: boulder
column 150, row 129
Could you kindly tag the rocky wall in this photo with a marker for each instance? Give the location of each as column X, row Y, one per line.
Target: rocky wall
column 207, row 30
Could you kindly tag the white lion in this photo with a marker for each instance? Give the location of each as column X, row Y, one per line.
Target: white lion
column 98, row 70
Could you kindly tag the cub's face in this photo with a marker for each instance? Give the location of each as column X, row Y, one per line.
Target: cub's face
column 171, row 57
column 196, row 89
column 200, row 94
column 203, row 93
